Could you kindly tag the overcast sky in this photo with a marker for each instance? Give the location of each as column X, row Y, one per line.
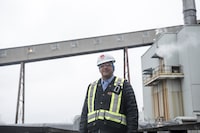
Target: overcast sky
column 55, row 89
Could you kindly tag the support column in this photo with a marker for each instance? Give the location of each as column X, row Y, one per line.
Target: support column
column 21, row 96
column 126, row 65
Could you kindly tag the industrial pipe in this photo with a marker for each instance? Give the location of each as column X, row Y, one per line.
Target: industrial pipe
column 189, row 12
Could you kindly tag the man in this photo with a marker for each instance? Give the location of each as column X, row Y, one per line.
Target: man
column 110, row 105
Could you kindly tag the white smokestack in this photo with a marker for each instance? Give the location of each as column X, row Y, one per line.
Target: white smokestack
column 189, row 12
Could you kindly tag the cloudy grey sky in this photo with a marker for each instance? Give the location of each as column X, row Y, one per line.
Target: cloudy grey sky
column 55, row 89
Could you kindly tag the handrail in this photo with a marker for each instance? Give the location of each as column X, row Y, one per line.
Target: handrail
column 161, row 71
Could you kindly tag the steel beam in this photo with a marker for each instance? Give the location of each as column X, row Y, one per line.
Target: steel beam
column 68, row 48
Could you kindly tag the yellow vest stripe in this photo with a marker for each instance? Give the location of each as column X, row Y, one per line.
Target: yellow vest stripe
column 106, row 115
column 91, row 96
column 120, row 97
column 116, row 99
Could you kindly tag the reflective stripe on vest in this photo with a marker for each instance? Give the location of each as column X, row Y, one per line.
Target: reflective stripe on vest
column 91, row 96
column 113, row 113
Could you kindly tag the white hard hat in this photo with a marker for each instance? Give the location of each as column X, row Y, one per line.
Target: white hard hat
column 105, row 58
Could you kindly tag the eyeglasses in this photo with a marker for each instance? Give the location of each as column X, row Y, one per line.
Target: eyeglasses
column 105, row 65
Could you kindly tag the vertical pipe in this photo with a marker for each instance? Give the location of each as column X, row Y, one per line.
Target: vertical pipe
column 165, row 100
column 189, row 12
column 158, row 101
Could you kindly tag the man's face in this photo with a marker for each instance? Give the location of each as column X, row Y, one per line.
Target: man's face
column 106, row 70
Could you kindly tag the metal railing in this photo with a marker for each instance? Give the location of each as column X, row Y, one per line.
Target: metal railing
column 167, row 71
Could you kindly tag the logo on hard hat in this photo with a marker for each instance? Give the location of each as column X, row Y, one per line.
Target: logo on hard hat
column 102, row 56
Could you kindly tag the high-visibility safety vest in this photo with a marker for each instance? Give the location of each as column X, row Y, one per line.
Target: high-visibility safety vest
column 113, row 113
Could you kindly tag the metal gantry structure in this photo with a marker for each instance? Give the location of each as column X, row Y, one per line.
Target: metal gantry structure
column 32, row 53
column 26, row 54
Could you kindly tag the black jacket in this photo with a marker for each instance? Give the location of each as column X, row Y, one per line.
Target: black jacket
column 102, row 101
